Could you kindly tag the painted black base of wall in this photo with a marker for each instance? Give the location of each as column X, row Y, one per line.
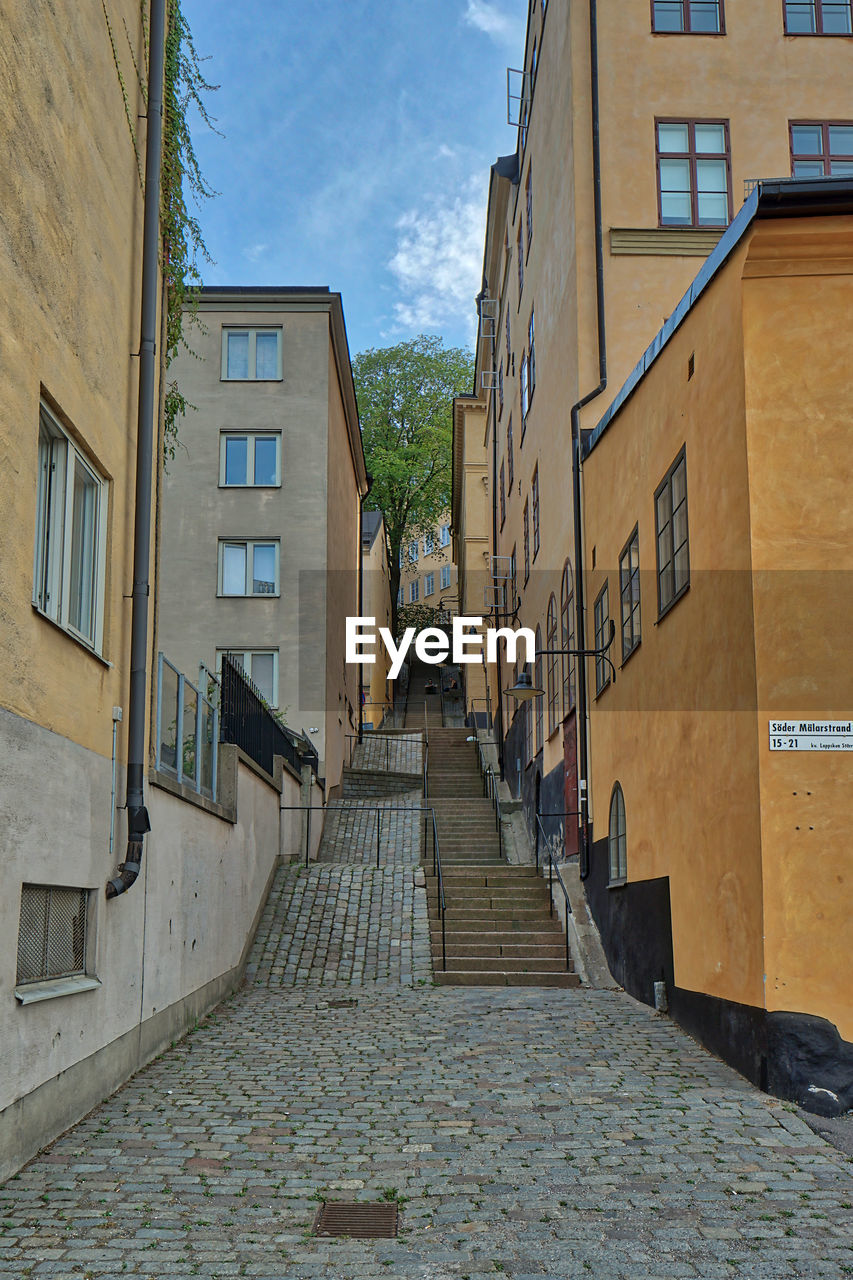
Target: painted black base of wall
column 795, row 1056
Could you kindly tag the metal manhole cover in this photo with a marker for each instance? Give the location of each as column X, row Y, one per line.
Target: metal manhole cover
column 375, row 1220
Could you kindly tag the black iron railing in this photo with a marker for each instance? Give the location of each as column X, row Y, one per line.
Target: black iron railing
column 247, row 721
column 491, row 783
column 554, row 870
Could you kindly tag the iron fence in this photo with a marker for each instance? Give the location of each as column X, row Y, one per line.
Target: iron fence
column 247, row 721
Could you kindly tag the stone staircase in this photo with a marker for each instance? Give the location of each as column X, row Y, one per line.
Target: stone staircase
column 498, row 924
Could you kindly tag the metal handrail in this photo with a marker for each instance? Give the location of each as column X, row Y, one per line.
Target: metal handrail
column 380, row 809
column 390, row 735
column 472, row 712
column 552, row 869
column 572, row 813
column 491, row 783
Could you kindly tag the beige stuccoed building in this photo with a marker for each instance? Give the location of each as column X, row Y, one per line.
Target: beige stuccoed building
column 428, row 575
column 259, row 546
column 377, row 692
column 643, row 127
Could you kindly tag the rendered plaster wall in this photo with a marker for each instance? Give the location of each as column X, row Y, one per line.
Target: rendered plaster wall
column 163, row 952
column 797, row 305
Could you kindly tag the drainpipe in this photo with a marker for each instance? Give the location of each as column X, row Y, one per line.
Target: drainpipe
column 580, row 627
column 137, row 815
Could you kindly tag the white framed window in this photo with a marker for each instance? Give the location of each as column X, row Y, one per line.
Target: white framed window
column 250, row 459
column 429, row 544
column 248, row 568
column 429, row 584
column 413, row 552
column 251, row 355
column 414, row 591
column 445, row 535
column 71, row 535
column 260, row 665
column 445, row 576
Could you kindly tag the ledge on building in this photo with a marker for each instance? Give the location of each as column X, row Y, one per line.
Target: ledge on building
column 672, row 242
column 53, row 988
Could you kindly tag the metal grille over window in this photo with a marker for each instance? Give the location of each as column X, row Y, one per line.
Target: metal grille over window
column 52, row 934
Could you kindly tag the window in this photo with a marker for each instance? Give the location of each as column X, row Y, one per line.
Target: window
column 414, row 591
column 535, row 489
column 71, row 524
column 520, row 265
column 821, row 150
column 528, row 192
column 818, row 18
column 693, row 173
column 251, row 355
column 250, row 459
column 501, row 388
column 601, row 614
column 616, row 842
column 508, row 345
column 693, row 17
column 52, row 933
column 400, row 597
column 553, row 688
column 248, row 568
column 445, row 535
column 567, row 637
column 531, row 355
column 429, row 544
column 445, row 577
column 629, row 593
column 510, row 463
column 503, row 495
column 429, row 584
column 526, row 540
column 538, row 681
column 261, row 667
column 413, row 552
column 673, row 557
column 525, row 392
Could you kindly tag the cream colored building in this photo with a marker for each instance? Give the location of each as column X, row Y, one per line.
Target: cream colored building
column 428, row 576
column 260, row 518
column 471, row 512
column 377, row 693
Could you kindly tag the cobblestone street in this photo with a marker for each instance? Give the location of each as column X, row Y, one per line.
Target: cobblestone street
column 525, row 1132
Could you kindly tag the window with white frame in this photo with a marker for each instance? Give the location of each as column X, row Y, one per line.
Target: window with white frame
column 251, row 355
column 251, row 459
column 445, row 577
column 445, row 535
column 601, row 619
column 260, row 665
column 414, row 591
column 429, row 544
column 525, row 390
column 616, row 837
column 413, row 552
column 248, row 568
column 71, row 526
column 429, row 584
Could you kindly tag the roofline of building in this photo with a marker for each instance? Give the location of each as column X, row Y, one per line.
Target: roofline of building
column 780, row 198
column 261, row 292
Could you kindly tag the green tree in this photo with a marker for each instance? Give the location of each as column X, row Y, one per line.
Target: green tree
column 405, row 396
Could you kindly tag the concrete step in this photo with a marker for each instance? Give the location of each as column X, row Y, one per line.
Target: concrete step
column 506, row 875
column 505, row 964
column 500, row 938
column 515, row 950
column 496, row 978
column 520, row 931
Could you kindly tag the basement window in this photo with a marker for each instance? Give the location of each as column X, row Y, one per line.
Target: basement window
column 53, row 942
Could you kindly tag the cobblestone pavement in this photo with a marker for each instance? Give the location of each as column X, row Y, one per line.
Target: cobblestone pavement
column 350, row 828
column 400, row 753
column 344, row 923
column 533, row 1133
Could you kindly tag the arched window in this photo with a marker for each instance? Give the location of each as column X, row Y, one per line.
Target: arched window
column 616, row 841
column 538, row 680
column 553, row 688
column 567, row 637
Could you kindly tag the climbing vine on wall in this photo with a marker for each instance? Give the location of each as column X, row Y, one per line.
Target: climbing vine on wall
column 183, row 244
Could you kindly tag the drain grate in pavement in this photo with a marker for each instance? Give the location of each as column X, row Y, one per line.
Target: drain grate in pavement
column 376, row 1220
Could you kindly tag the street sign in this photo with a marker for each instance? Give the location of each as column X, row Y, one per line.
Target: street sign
column 811, row 735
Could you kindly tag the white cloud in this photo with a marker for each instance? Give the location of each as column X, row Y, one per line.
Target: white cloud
column 438, row 262
column 255, row 251
column 491, row 20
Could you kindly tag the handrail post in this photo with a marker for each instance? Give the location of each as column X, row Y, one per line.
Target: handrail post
column 378, row 834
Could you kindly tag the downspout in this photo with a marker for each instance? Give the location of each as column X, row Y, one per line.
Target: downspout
column 137, row 815
column 580, row 628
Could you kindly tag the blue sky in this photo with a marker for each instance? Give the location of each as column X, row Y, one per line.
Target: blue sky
column 357, row 142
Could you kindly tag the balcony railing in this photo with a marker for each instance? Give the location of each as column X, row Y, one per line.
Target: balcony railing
column 187, row 734
column 247, row 721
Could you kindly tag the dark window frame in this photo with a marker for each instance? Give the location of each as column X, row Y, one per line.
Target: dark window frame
column 526, row 525
column 617, row 839
column 601, row 621
column 818, row 31
column 510, row 460
column 692, row 156
column 554, row 690
column 825, row 156
column 687, row 29
column 520, row 262
column 531, row 357
column 534, row 504
column 539, row 726
column 503, row 496
column 635, row 609
column 567, row 636
column 528, row 201
column 664, row 606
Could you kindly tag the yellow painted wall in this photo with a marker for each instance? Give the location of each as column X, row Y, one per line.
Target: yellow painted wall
column 377, row 604
column 677, row 728
column 70, row 268
column 800, row 389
